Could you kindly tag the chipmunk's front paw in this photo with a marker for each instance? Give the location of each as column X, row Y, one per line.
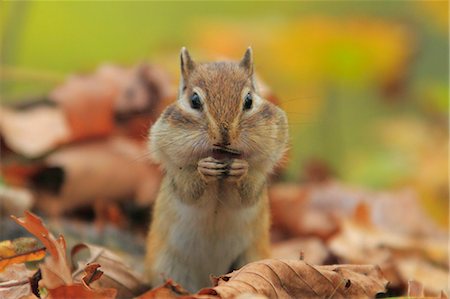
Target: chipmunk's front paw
column 211, row 169
column 237, row 170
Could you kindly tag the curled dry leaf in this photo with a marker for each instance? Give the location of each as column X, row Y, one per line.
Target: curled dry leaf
column 116, row 274
column 298, row 279
column 91, row 273
column 56, row 274
column 55, row 269
column 83, row 289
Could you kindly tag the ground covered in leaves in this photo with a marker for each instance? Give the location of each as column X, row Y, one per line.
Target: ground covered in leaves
column 329, row 239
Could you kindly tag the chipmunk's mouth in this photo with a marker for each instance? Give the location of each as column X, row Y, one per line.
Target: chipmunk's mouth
column 222, row 152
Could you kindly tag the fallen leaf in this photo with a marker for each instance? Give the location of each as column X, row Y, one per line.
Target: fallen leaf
column 400, row 256
column 251, row 296
column 118, row 169
column 16, row 172
column 14, row 281
column 434, row 279
column 33, row 132
column 116, row 274
column 91, row 273
column 14, row 200
column 291, row 210
column 55, row 269
column 77, row 291
column 32, row 255
column 168, row 290
column 144, row 91
column 56, row 274
column 298, row 279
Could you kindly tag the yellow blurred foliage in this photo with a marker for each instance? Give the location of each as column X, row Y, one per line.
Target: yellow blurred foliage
column 437, row 12
column 300, row 57
column 425, row 147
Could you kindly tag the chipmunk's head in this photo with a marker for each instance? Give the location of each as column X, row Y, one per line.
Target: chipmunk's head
column 219, row 104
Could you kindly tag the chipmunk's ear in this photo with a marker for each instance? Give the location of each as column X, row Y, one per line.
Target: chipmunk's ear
column 187, row 64
column 247, row 61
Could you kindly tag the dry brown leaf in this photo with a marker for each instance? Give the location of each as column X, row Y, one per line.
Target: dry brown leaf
column 89, row 114
column 145, row 90
column 358, row 235
column 386, row 208
column 416, row 290
column 14, row 282
column 33, row 132
column 115, row 273
column 13, row 200
column 251, row 296
column 118, row 169
column 388, row 212
column 168, row 290
column 17, row 173
column 298, row 279
column 111, row 92
column 291, row 211
column 91, row 273
column 88, row 105
column 398, row 255
column 434, row 279
column 84, row 107
column 56, row 274
column 83, row 289
column 55, row 269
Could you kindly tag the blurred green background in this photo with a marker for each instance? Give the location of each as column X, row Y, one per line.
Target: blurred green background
column 365, row 84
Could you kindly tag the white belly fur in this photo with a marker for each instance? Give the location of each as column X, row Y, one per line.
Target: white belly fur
column 207, row 240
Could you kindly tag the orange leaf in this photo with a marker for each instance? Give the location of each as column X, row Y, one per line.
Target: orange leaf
column 77, row 291
column 32, row 255
column 83, row 290
column 34, row 225
column 168, row 290
column 55, row 269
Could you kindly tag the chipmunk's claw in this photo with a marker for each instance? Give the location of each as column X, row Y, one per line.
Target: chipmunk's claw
column 211, row 169
column 237, row 169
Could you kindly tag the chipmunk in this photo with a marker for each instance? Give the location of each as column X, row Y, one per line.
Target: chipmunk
column 217, row 144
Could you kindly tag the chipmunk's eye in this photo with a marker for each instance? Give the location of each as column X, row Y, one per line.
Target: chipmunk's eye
column 195, row 101
column 248, row 101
